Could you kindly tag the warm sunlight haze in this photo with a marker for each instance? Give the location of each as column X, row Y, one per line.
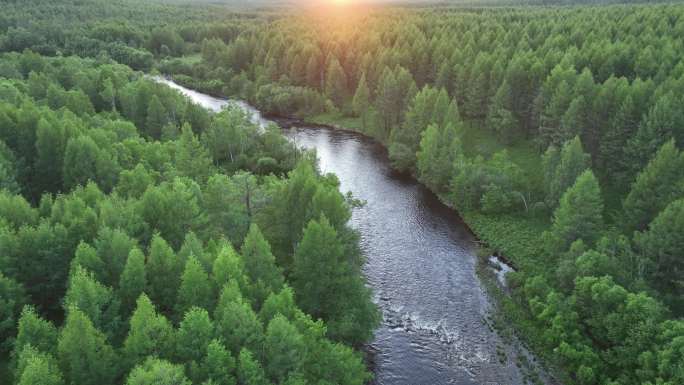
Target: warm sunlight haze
column 348, row 192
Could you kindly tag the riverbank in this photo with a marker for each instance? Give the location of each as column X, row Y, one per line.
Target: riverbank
column 506, row 236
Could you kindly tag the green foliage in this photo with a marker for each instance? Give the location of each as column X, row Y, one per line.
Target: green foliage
column 34, row 331
column 658, row 184
column 155, row 371
column 562, row 169
column 37, row 368
column 335, row 82
column 133, row 281
column 579, row 216
column 440, row 151
column 265, row 277
column 661, row 245
column 84, row 355
column 284, row 348
column 12, row 300
column 195, row 288
column 328, row 288
column 249, row 370
column 236, row 323
column 164, row 270
column 195, row 333
column 150, row 334
column 95, row 300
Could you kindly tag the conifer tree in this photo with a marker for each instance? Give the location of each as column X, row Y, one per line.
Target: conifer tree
column 361, row 101
column 34, row 331
column 219, row 365
column 440, row 148
column 326, row 284
column 284, row 349
column 85, row 356
column 260, row 266
column 163, row 274
column 195, row 332
column 663, row 121
column 662, row 245
column 570, row 163
column 579, row 215
column 192, row 158
column 38, row 368
column 249, row 369
column 12, row 300
column 133, row 281
column 500, row 117
column 195, row 288
column 156, row 118
column 155, row 371
column 658, row 184
column 95, row 300
column 235, row 321
column 149, row 334
column 335, row 82
column 228, row 266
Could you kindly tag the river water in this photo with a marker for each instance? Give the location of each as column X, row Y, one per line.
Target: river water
column 421, row 265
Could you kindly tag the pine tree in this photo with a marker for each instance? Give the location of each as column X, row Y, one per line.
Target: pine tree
column 37, row 368
column 50, row 144
column 405, row 140
column 34, row 331
column 235, row 321
column 133, row 281
column 284, row 349
column 279, row 303
column 163, row 274
column 440, row 148
column 149, row 334
column 500, row 118
column 260, row 266
column 550, row 130
column 92, row 298
column 194, row 335
column 157, row 372
column 156, row 118
column 192, row 158
column 658, row 184
column 84, row 354
column 336, row 82
column 228, row 266
column 249, row 369
column 80, row 162
column 361, row 101
column 664, row 119
column 571, row 162
column 219, row 365
column 108, row 94
column 579, row 216
column 327, row 285
column 12, row 300
column 662, row 245
column 87, row 258
column 195, row 288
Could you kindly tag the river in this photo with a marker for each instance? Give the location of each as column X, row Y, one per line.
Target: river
column 421, row 265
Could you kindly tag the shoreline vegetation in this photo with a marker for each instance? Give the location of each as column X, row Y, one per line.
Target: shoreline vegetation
column 555, row 131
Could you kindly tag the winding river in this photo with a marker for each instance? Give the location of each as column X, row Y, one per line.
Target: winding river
column 421, row 265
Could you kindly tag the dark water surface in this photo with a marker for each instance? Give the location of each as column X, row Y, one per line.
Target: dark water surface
column 420, row 263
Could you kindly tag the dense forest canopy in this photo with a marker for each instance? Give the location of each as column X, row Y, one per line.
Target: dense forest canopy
column 144, row 239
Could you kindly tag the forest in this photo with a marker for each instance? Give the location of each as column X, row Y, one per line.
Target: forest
column 145, row 240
